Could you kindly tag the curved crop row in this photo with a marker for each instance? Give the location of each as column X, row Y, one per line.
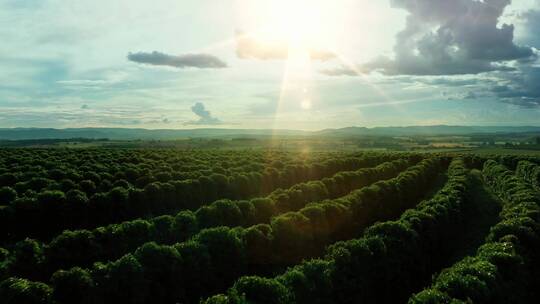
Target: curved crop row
column 83, row 247
column 288, row 239
column 214, row 258
column 505, row 269
column 381, row 267
column 512, row 161
column 530, row 172
column 35, row 169
column 26, row 175
column 53, row 211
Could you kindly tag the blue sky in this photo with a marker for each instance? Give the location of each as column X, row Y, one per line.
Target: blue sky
column 294, row 64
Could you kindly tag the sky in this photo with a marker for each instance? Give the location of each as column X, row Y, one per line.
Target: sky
column 286, row 64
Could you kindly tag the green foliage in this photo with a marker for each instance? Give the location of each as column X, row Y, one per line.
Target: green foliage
column 309, row 282
column 505, row 268
column 20, row 291
column 127, row 236
column 430, row 296
column 27, row 259
column 262, row 291
column 7, row 195
column 110, row 186
column 125, row 281
column 338, row 279
column 152, row 226
column 72, row 286
column 215, row 257
column 530, row 172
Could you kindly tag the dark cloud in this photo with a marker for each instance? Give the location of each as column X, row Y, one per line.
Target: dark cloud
column 201, row 61
column 451, row 82
column 205, row 117
column 249, row 47
column 521, row 88
column 444, row 37
column 470, row 95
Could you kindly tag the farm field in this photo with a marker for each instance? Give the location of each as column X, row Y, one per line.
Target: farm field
column 145, row 225
column 270, row 152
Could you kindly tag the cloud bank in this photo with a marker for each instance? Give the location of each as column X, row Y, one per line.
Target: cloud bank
column 520, row 88
column 444, row 37
column 205, row 117
column 466, row 39
column 532, row 22
column 459, row 37
column 201, row 61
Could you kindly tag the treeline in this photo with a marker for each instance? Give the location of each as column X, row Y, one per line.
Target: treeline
column 214, row 258
column 384, row 266
column 506, row 268
column 47, row 142
column 51, row 211
column 82, row 248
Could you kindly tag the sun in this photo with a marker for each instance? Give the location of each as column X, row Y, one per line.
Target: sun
column 297, row 21
column 309, row 36
column 302, row 24
column 303, row 33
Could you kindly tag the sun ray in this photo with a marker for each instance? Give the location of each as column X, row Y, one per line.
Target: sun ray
column 293, row 31
column 389, row 100
column 353, row 67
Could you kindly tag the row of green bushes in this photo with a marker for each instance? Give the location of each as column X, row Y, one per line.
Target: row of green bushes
column 512, row 161
column 530, row 172
column 505, row 269
column 83, row 248
column 384, row 266
column 214, row 258
column 93, row 170
column 53, row 211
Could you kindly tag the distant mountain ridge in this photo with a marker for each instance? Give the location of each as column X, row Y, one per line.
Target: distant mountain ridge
column 429, row 130
column 134, row 134
column 168, row 134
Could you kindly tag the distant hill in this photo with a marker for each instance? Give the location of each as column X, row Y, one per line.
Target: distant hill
column 426, row 130
column 134, row 134
column 168, row 134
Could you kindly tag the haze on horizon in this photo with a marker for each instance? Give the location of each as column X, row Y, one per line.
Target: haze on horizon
column 297, row 64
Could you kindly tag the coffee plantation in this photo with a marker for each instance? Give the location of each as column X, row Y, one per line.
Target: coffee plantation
column 256, row 226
